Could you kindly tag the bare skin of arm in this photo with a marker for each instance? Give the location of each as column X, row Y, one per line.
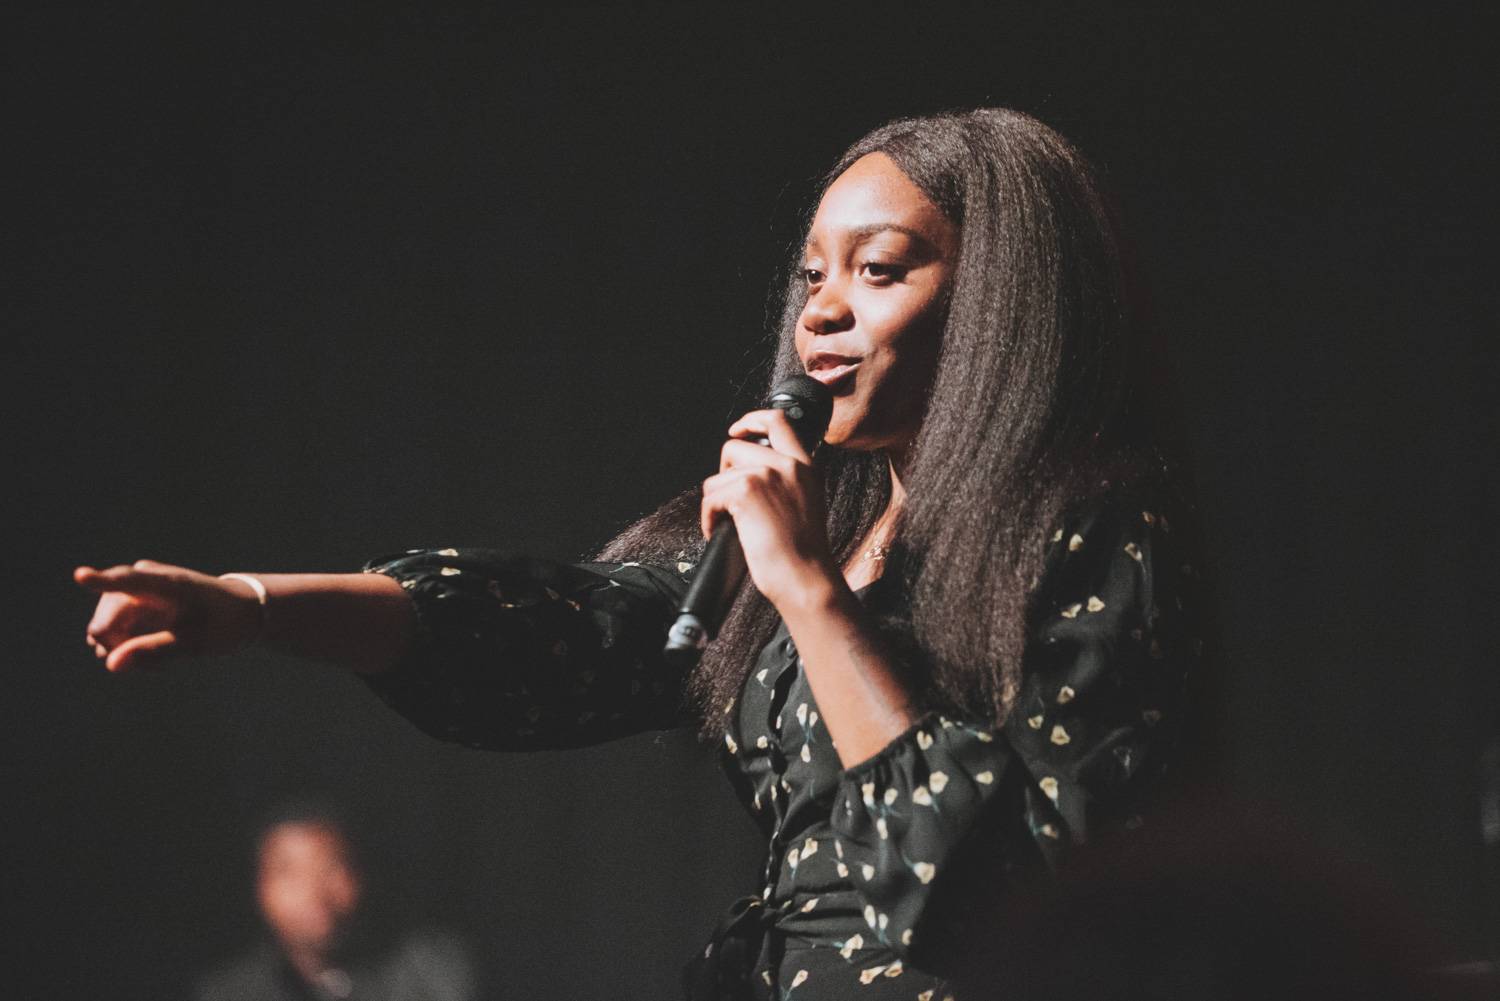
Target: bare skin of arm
column 149, row 613
column 863, row 703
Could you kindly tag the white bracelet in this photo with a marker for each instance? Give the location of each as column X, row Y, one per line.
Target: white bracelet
column 261, row 597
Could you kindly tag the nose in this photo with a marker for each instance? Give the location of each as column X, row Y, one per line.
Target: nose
column 827, row 309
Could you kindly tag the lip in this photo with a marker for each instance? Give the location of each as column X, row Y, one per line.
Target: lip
column 829, row 368
column 831, row 375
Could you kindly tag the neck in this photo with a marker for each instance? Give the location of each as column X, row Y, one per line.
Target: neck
column 881, row 531
column 898, row 490
column 900, row 457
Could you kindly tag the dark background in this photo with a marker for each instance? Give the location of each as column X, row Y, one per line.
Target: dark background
column 286, row 294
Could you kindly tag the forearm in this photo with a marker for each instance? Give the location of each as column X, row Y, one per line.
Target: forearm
column 362, row 622
column 860, row 694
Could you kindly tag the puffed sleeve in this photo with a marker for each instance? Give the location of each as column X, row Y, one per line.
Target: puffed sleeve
column 1094, row 723
column 514, row 653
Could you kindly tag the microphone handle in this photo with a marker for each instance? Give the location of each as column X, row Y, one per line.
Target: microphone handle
column 715, row 582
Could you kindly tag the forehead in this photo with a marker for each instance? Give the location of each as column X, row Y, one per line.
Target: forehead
column 301, row 841
column 874, row 193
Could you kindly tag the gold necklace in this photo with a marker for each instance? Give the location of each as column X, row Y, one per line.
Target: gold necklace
column 877, row 551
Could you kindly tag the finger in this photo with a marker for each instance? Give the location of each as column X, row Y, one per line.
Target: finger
column 752, row 424
column 741, row 454
column 720, row 491
column 143, row 577
column 774, row 426
column 120, row 616
column 141, row 652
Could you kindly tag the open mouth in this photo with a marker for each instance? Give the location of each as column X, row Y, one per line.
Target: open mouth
column 831, row 370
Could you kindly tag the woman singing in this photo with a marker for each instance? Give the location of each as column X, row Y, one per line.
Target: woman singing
column 972, row 610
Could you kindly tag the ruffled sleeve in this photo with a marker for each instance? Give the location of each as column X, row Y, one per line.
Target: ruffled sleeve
column 1094, row 723
column 512, row 653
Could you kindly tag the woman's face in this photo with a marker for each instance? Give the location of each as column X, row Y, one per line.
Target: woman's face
column 878, row 264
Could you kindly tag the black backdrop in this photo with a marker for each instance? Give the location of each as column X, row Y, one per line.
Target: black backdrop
column 289, row 293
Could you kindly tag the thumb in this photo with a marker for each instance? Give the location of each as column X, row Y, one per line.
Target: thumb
column 142, row 652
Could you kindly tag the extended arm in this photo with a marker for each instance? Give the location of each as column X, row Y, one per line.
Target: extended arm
column 149, row 613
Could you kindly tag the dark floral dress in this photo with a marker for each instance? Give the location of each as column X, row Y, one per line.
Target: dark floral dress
column 858, row 901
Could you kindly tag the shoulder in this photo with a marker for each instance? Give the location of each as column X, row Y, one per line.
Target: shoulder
column 254, row 975
column 1124, row 521
column 432, row 963
column 1120, row 554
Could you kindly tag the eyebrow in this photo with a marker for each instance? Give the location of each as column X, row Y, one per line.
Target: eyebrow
column 860, row 233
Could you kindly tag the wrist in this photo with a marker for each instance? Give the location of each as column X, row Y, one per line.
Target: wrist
column 261, row 609
column 818, row 594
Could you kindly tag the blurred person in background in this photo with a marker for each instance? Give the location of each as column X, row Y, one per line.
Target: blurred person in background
column 325, row 940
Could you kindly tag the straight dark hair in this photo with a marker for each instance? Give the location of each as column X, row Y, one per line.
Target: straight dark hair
column 1047, row 395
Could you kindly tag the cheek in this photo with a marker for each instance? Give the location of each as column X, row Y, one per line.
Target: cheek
column 909, row 346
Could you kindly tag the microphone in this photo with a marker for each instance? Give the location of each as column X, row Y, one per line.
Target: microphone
column 808, row 405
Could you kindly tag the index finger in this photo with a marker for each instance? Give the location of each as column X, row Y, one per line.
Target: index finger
column 130, row 580
column 775, row 428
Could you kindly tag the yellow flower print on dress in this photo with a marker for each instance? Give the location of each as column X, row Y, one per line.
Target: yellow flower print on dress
column 937, row 781
column 925, row 871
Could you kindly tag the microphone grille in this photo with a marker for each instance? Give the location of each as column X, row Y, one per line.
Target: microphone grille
column 808, row 405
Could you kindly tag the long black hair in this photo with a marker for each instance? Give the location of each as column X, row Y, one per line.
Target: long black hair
column 1047, row 394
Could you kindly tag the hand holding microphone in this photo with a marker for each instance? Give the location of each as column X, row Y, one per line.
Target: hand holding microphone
column 763, row 511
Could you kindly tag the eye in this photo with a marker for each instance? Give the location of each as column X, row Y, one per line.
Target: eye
column 881, row 273
column 812, row 276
